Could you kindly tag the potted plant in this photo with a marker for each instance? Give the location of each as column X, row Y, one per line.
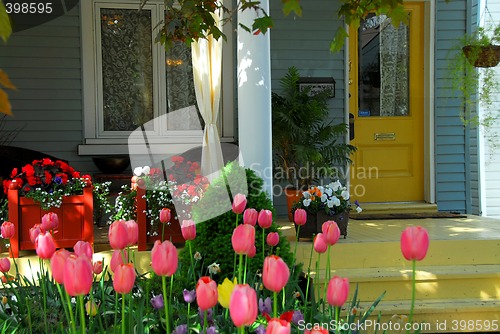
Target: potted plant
column 49, row 186
column 482, row 48
column 328, row 202
column 472, row 74
column 306, row 145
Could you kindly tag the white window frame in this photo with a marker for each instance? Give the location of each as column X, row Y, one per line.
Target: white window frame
column 98, row 141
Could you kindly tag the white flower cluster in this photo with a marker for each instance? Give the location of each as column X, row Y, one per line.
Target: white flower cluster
column 331, row 194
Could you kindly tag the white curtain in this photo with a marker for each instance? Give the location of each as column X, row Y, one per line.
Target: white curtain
column 207, row 63
column 394, row 65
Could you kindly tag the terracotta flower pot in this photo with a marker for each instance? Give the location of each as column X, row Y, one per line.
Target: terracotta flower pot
column 75, row 220
column 172, row 231
column 292, row 197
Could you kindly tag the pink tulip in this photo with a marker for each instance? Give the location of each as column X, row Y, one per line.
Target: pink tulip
column 252, row 251
column 243, row 239
column 124, row 278
column 118, row 235
column 164, row 259
column 300, row 217
column 265, row 218
column 331, row 231
column 83, row 248
column 117, row 259
column 317, row 329
column 273, row 239
column 243, row 305
column 338, row 289
column 78, row 275
column 132, row 231
column 4, row 265
column 8, row 230
column 50, row 221
column 278, row 326
column 239, row 203
column 165, row 215
column 320, row 245
column 275, row 274
column 188, row 229
column 57, row 262
column 206, row 293
column 97, row 267
column 414, row 243
column 45, row 246
column 250, row 216
column 34, row 232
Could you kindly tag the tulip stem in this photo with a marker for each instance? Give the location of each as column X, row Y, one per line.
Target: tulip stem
column 327, row 270
column 163, row 232
column 123, row 314
column 165, row 303
column 192, row 264
column 245, row 270
column 187, row 320
column 205, row 319
column 241, row 330
column 240, row 269
column 62, row 302
column 295, row 249
column 263, row 245
column 275, row 304
column 413, row 291
column 71, row 316
column 337, row 313
column 82, row 315
column 44, row 292
column 309, row 272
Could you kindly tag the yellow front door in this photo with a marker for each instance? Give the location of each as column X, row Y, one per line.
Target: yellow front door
column 386, row 85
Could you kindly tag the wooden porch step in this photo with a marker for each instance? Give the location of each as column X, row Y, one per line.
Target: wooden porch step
column 398, row 207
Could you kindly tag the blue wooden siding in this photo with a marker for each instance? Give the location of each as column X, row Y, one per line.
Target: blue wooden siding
column 455, row 144
column 44, row 63
column 304, row 42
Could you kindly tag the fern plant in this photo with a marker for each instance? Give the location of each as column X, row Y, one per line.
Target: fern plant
column 306, row 145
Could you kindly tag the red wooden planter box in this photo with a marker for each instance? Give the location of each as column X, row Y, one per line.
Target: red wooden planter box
column 75, row 220
column 172, row 230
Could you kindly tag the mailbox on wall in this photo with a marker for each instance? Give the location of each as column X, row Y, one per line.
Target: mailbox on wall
column 317, row 85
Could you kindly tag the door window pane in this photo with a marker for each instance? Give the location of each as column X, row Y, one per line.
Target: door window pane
column 127, row 68
column 383, row 68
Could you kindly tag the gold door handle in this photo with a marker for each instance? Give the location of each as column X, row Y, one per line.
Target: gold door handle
column 384, row 136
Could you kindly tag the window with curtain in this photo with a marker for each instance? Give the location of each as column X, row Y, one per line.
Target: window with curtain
column 139, row 81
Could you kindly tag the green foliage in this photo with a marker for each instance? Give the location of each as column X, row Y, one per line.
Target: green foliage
column 213, row 237
column 5, row 27
column 303, row 139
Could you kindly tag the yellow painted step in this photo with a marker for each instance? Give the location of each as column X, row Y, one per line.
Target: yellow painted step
column 398, row 207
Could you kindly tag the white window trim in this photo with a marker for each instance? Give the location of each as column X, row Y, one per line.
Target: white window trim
column 98, row 142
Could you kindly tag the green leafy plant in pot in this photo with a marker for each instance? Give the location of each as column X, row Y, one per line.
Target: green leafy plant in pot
column 306, row 145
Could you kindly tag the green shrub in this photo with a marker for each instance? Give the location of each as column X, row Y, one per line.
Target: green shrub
column 213, row 237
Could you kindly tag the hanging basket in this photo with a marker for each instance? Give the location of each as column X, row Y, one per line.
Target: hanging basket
column 482, row 56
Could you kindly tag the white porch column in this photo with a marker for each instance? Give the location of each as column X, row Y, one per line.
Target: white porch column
column 254, row 99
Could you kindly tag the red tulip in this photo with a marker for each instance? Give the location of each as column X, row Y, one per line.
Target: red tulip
column 83, row 248
column 300, row 216
column 331, row 231
column 45, row 246
column 78, row 275
column 278, row 326
column 118, row 235
column 243, row 305
column 4, row 264
column 320, row 244
column 8, row 230
column 34, row 232
column 117, row 259
column 188, row 229
column 97, row 267
column 206, row 293
column 124, row 278
column 57, row 262
column 265, row 218
column 273, row 239
column 338, row 289
column 239, row 203
column 165, row 215
column 132, row 231
column 164, row 259
column 243, row 239
column 50, row 221
column 250, row 216
column 275, row 274
column 414, row 243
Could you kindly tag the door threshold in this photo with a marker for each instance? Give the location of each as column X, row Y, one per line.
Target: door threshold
column 398, row 207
